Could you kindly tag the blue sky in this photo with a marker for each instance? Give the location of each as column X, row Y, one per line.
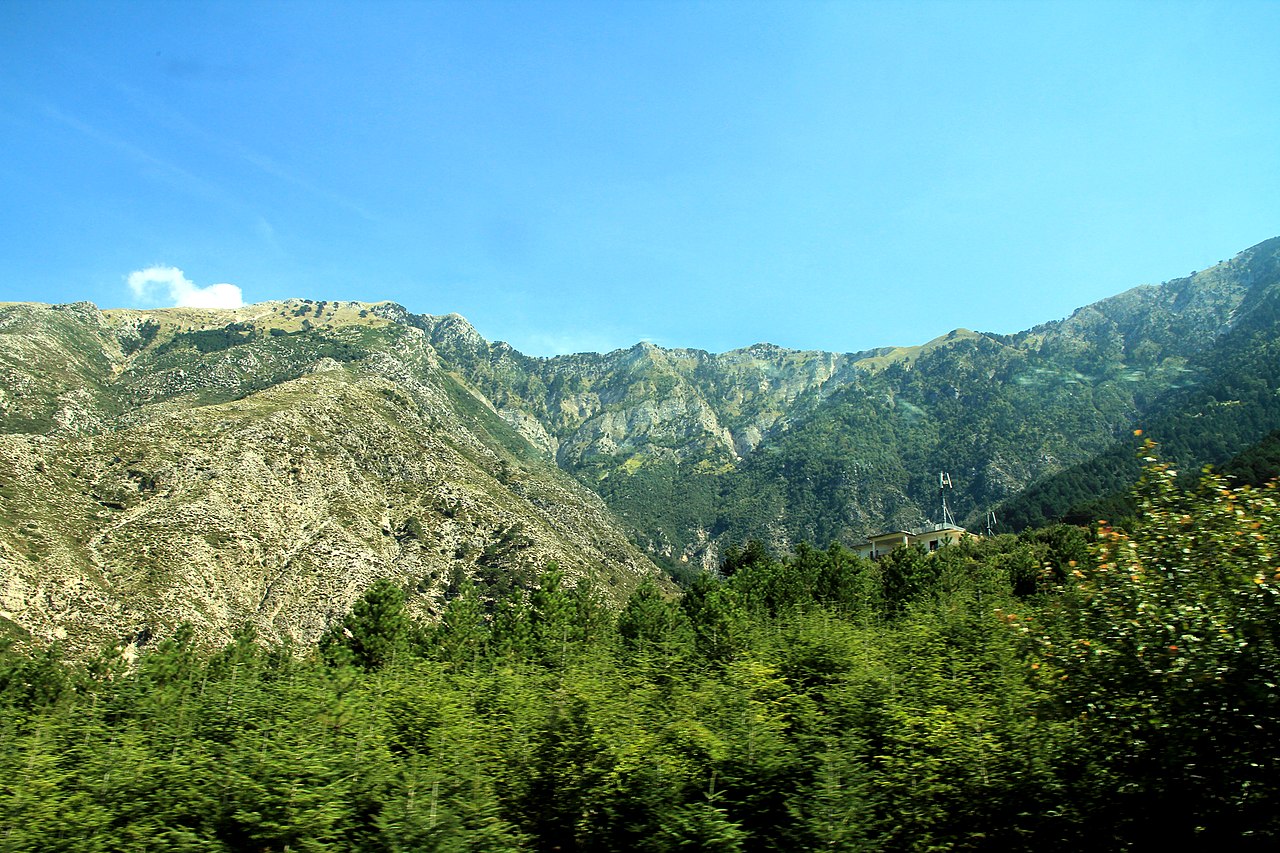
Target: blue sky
column 574, row 176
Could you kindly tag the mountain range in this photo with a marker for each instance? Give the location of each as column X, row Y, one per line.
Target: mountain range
column 266, row 464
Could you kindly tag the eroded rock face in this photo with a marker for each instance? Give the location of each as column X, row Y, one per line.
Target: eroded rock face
column 232, row 467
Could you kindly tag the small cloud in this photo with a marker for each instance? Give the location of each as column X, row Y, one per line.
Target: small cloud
column 155, row 284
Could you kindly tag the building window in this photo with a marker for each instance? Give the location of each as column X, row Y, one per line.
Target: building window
column 933, row 544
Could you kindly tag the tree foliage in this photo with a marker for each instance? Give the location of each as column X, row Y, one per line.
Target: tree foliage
column 1054, row 690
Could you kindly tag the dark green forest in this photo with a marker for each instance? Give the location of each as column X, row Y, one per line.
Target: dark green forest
column 1066, row 687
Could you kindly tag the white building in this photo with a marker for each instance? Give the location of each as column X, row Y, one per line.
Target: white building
column 932, row 537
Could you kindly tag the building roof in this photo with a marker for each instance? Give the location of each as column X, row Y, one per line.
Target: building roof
column 919, row 531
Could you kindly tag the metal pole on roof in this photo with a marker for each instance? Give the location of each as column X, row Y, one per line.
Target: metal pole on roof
column 944, row 483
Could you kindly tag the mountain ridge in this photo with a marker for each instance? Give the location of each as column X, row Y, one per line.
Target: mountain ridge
column 602, row 462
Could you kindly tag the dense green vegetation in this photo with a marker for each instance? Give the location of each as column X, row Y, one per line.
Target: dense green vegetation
column 1258, row 463
column 1050, row 691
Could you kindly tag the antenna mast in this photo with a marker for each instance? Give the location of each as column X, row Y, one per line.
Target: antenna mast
column 991, row 523
column 944, row 483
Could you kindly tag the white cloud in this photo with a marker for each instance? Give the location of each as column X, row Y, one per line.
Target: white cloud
column 154, row 284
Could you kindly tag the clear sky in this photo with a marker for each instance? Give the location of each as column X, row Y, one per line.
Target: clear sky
column 575, row 176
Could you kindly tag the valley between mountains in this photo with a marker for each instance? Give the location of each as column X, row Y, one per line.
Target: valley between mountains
column 268, row 464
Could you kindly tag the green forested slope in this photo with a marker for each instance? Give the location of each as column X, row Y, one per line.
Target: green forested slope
column 1229, row 401
column 1256, row 464
column 1193, row 361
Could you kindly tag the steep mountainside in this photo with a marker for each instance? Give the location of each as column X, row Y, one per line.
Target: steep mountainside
column 264, row 465
column 696, row 450
column 1226, row 403
column 654, row 431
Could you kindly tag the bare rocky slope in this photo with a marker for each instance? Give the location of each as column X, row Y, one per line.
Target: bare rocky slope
column 263, row 465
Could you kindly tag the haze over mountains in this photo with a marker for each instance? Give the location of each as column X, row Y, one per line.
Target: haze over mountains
column 267, row 464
